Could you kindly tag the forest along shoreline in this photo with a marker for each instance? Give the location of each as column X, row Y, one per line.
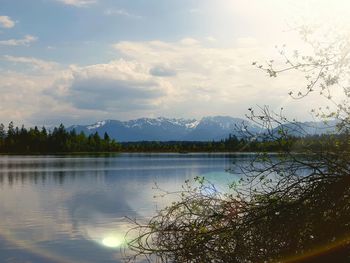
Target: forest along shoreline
column 15, row 140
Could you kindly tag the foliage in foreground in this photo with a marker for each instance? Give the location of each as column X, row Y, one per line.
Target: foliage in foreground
column 288, row 207
column 300, row 218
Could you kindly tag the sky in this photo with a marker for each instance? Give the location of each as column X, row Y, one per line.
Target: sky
column 81, row 61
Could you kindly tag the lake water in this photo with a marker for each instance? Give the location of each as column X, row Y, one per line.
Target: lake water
column 72, row 208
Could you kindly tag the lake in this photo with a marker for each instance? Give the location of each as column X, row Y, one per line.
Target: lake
column 72, row 208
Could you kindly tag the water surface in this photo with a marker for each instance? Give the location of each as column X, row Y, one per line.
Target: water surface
column 73, row 208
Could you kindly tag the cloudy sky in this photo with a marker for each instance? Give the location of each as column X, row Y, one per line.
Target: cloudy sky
column 79, row 61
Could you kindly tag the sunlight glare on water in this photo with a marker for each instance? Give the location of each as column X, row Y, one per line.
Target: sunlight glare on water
column 113, row 241
column 74, row 209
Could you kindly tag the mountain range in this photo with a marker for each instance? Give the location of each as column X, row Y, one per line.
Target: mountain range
column 171, row 129
column 168, row 129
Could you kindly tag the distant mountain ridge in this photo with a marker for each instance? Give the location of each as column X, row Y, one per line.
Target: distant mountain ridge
column 300, row 129
column 167, row 129
column 206, row 129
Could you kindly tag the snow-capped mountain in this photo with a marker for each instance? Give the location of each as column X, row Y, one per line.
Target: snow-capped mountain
column 167, row 129
column 206, row 129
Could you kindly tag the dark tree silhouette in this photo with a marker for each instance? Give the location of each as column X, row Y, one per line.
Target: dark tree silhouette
column 33, row 140
column 288, row 207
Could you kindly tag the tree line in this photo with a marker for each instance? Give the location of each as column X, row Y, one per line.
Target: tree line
column 316, row 143
column 58, row 140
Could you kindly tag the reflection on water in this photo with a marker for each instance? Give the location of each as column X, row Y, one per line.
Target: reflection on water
column 72, row 209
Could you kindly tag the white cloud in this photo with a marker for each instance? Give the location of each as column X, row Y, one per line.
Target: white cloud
column 116, row 86
column 202, row 75
column 186, row 78
column 26, row 41
column 37, row 64
column 189, row 41
column 190, row 78
column 121, row 12
column 21, row 96
column 162, row 71
column 78, row 3
column 211, row 39
column 6, row 22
